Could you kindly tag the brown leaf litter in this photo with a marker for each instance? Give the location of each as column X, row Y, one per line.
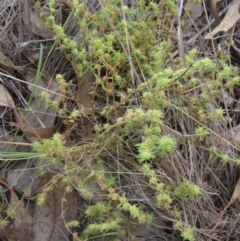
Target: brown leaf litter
column 231, row 17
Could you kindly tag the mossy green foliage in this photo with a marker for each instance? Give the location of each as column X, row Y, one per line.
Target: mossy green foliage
column 131, row 71
column 187, row 233
column 187, row 189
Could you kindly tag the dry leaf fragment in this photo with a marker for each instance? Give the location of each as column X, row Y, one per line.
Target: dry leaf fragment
column 46, row 81
column 41, row 115
column 84, row 98
column 213, row 10
column 66, row 2
column 31, row 55
column 13, row 234
column 6, row 62
column 48, row 224
column 33, row 134
column 35, row 24
column 5, row 98
column 195, row 9
column 23, row 177
column 231, row 17
column 235, row 196
column 22, row 220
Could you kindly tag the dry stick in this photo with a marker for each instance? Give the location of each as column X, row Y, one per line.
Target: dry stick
column 236, row 195
column 16, row 143
column 179, row 34
column 222, row 213
column 182, row 56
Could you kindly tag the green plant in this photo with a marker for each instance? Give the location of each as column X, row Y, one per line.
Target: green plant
column 187, row 233
column 187, row 189
column 145, row 97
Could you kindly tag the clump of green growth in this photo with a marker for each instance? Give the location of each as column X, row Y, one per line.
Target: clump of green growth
column 187, row 189
column 134, row 82
column 187, row 233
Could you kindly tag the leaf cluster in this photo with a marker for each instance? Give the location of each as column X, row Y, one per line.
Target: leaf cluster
column 130, row 72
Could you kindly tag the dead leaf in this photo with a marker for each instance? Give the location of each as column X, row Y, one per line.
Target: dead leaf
column 31, row 133
column 40, row 114
column 236, row 193
column 6, row 62
column 30, row 49
column 48, row 224
column 231, row 17
column 22, row 177
column 31, row 55
column 22, row 220
column 4, row 201
column 13, row 234
column 28, row 124
column 6, row 98
column 34, row 23
column 40, row 118
column 194, row 10
column 46, row 81
column 84, row 98
column 66, row 2
column 213, row 10
column 235, row 196
column 34, row 134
